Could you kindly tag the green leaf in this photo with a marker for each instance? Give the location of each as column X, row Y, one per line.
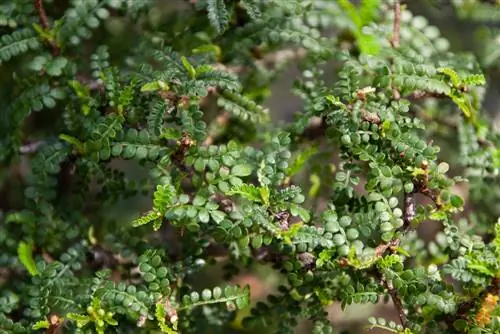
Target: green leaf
column 25, row 255
column 56, row 66
column 148, row 218
column 38, row 63
column 301, row 159
column 40, row 324
column 241, row 170
column 457, row 201
column 218, row 14
column 154, row 86
column 203, row 215
column 189, row 68
column 264, row 194
column 72, row 140
column 81, row 320
column 301, row 212
column 208, row 48
column 251, row 192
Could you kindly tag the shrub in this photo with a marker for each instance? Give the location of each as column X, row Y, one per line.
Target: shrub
column 110, row 106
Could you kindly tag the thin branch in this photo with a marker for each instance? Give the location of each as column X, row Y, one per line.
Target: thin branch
column 418, row 94
column 44, row 23
column 268, row 61
column 395, row 39
column 31, row 147
column 397, row 302
column 410, row 210
column 380, row 249
column 44, row 20
column 397, row 24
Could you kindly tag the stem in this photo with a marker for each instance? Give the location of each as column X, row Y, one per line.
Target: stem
column 44, row 20
column 44, row 23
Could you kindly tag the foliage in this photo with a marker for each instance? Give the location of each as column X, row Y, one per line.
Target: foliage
column 110, row 104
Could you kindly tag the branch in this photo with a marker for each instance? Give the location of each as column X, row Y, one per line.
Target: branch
column 44, row 23
column 410, row 210
column 44, row 20
column 397, row 24
column 397, row 302
column 268, row 61
column 395, row 39
column 31, row 147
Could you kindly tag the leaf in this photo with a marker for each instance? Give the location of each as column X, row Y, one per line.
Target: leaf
column 456, row 201
column 252, row 8
column 154, row 86
column 25, row 254
column 38, row 63
column 40, row 324
column 264, row 194
column 241, row 170
column 80, row 319
column 251, row 192
column 148, row 218
column 208, row 48
column 72, row 140
column 315, row 185
column 452, row 75
column 301, row 212
column 218, row 14
column 189, row 68
column 301, row 159
column 55, row 67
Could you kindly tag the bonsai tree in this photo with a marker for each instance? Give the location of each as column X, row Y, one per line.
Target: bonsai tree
column 143, row 168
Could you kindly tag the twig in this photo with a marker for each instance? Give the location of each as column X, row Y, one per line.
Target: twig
column 380, row 249
column 410, row 210
column 31, row 147
column 395, row 39
column 44, row 23
column 397, row 24
column 44, row 20
column 267, row 61
column 397, row 302
column 409, row 213
column 418, row 94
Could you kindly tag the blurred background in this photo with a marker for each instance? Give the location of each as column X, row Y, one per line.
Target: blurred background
column 476, row 32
